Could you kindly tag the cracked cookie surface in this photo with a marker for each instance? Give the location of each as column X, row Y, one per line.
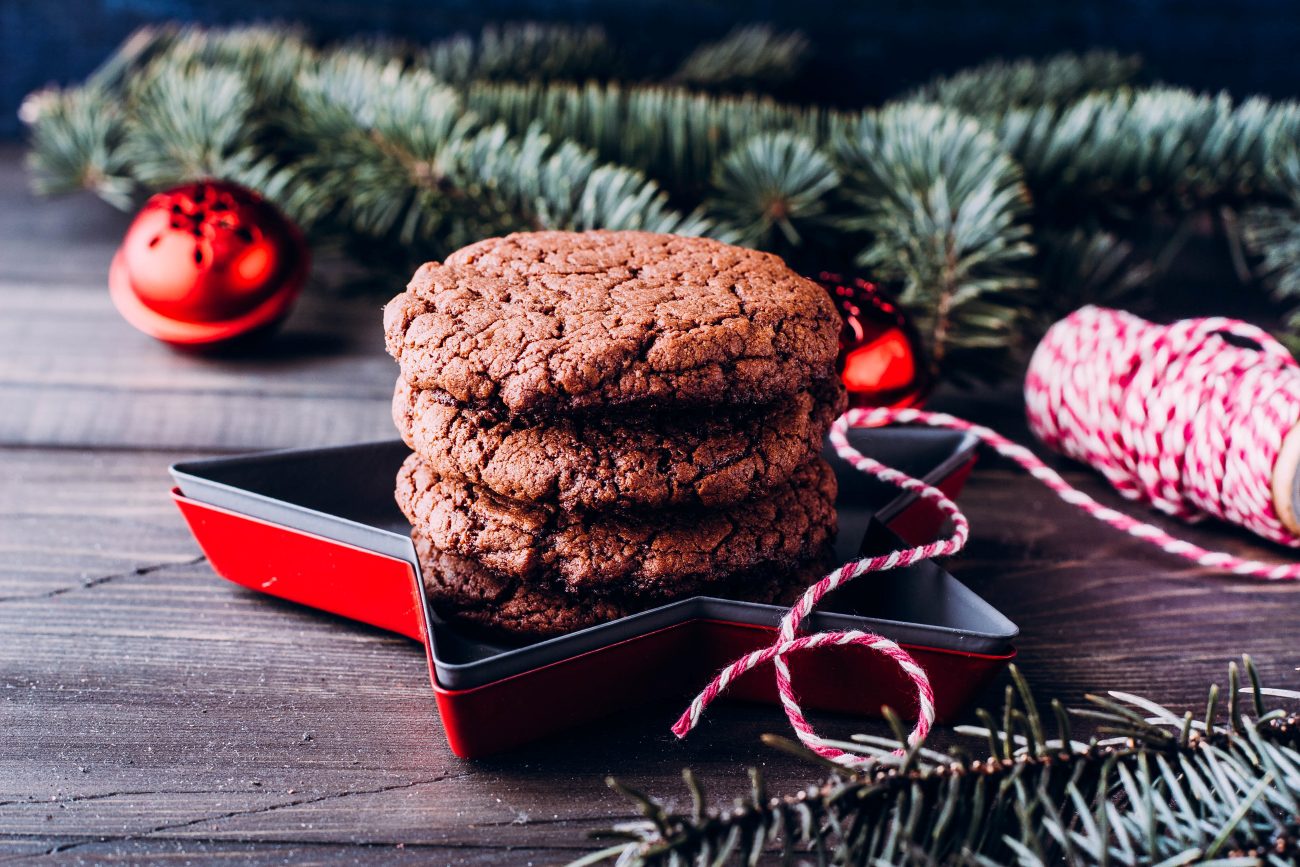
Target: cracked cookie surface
column 464, row 590
column 687, row 457
column 644, row 551
column 545, row 322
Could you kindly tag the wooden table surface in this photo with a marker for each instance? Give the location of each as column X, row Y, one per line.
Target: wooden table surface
column 150, row 710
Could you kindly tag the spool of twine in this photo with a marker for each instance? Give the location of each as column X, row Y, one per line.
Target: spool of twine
column 1197, row 419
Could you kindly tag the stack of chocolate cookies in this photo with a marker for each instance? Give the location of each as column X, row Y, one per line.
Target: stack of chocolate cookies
column 605, row 421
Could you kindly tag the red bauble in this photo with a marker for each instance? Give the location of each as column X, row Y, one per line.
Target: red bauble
column 880, row 360
column 207, row 262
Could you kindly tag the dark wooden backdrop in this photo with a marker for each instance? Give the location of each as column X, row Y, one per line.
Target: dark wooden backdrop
column 150, row 711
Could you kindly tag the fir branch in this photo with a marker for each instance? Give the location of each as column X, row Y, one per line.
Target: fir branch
column 753, row 56
column 75, row 144
column 1272, row 233
column 186, row 125
column 386, row 126
column 408, row 162
column 998, row 86
column 268, row 58
column 171, row 104
column 928, row 198
column 1169, row 790
column 135, row 52
column 774, row 188
column 1161, row 149
column 675, row 136
column 945, row 213
column 564, row 186
column 538, row 52
column 1087, row 266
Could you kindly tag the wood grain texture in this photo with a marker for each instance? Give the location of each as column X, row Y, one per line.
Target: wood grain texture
column 72, row 373
column 151, row 712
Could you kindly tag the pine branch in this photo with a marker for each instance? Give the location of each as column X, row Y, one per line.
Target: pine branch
column 775, row 190
column 189, row 124
column 135, row 52
column 1272, row 233
column 538, row 52
column 407, row 162
column 945, row 213
column 754, row 56
column 75, row 144
column 267, row 57
column 424, row 154
column 1088, row 266
column 1135, row 152
column 172, row 104
column 1162, row 788
column 675, row 136
column 998, row 86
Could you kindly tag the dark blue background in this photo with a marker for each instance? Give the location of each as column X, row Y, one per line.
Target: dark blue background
column 865, row 51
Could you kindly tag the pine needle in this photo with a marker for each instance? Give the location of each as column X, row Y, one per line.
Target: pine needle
column 1170, row 793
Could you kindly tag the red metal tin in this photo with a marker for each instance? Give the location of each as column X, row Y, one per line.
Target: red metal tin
column 267, row 523
column 675, row 662
column 311, row 570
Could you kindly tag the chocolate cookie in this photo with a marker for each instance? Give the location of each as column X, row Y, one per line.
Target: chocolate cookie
column 549, row 322
column 643, row 552
column 466, row 591
column 689, row 457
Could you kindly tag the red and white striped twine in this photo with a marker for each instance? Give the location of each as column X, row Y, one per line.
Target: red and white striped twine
column 1175, row 416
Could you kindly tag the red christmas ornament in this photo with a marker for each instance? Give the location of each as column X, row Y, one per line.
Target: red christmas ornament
column 880, row 354
column 207, row 262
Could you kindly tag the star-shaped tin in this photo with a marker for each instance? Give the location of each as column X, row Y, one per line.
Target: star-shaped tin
column 319, row 527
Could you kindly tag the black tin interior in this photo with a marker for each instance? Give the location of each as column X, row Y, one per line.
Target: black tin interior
column 345, row 493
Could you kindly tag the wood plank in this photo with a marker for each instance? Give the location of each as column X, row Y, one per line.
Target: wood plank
column 161, row 704
column 1100, row 610
column 207, row 852
column 149, row 711
column 74, row 373
column 69, row 519
column 45, row 240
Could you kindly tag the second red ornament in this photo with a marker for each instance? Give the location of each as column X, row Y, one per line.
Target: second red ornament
column 880, row 361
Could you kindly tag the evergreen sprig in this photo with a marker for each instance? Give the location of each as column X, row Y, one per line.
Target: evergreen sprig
column 76, row 144
column 998, row 86
column 1272, row 231
column 523, row 51
column 1150, row 787
column 406, row 160
column 749, row 56
column 673, row 133
column 990, row 201
column 944, row 213
column 774, row 188
column 1131, row 152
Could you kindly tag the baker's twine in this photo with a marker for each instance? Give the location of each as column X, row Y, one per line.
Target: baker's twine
column 1176, row 416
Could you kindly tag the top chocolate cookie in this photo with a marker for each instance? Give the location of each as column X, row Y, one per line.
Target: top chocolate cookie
column 555, row 321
